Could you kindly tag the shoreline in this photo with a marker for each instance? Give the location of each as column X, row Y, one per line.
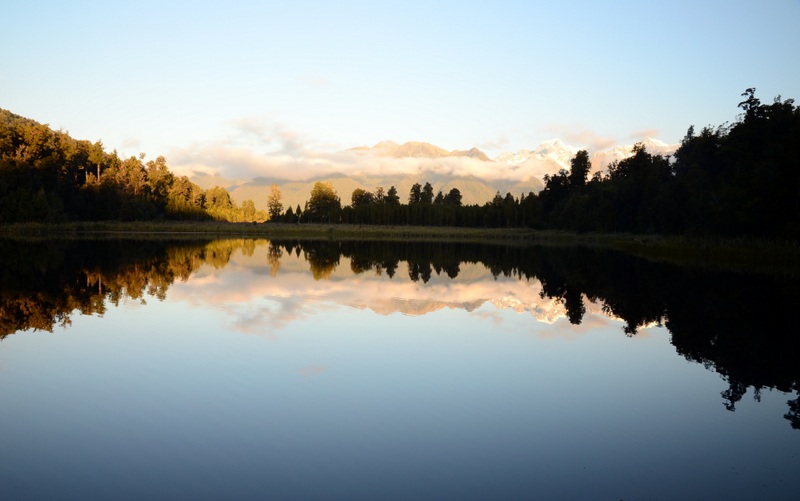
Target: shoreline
column 737, row 253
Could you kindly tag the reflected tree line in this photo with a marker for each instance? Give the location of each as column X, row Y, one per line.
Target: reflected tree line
column 43, row 283
column 740, row 325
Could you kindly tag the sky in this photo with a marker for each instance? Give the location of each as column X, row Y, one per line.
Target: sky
column 229, row 86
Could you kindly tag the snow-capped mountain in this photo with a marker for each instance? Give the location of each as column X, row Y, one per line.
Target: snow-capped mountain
column 601, row 159
column 401, row 165
column 417, row 149
column 553, row 155
column 547, row 158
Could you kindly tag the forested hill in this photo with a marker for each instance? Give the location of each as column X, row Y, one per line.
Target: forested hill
column 737, row 179
column 46, row 175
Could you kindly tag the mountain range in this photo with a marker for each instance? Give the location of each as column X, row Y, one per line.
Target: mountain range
column 415, row 149
column 477, row 177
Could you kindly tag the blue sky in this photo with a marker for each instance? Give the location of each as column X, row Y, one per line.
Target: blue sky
column 164, row 77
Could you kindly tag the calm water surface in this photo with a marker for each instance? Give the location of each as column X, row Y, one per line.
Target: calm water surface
column 317, row 370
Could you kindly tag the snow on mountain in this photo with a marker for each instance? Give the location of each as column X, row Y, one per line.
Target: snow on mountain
column 547, row 158
column 401, row 165
column 553, row 155
column 601, row 159
column 417, row 149
column 553, row 151
column 556, row 150
column 513, row 158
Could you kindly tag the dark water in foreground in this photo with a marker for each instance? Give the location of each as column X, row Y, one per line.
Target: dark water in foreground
column 251, row 369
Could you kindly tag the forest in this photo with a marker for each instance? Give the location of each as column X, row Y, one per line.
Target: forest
column 47, row 176
column 734, row 179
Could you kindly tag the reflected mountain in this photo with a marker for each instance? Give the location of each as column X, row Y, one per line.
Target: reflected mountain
column 737, row 324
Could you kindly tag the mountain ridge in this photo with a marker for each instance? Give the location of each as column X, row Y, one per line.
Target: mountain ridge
column 418, row 149
column 477, row 176
column 293, row 193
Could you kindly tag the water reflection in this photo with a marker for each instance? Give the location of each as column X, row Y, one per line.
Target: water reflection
column 739, row 325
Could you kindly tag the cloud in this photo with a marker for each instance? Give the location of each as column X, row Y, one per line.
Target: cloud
column 267, row 136
column 255, row 302
column 579, row 135
column 595, row 142
column 257, row 147
column 500, row 143
column 641, row 134
column 254, row 147
column 261, row 147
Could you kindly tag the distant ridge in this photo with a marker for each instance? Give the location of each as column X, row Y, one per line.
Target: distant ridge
column 473, row 190
column 417, row 149
column 478, row 179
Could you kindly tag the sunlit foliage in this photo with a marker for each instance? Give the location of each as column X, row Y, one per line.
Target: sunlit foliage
column 48, row 176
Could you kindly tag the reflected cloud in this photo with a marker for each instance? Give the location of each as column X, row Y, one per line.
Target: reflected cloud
column 596, row 318
column 261, row 303
column 564, row 293
column 263, row 148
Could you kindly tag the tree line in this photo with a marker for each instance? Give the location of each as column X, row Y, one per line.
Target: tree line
column 423, row 208
column 48, row 176
column 737, row 179
column 734, row 179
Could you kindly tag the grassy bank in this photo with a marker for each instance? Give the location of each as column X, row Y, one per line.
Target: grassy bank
column 214, row 229
column 752, row 254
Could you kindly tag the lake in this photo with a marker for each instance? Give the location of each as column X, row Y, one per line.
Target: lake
column 241, row 369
